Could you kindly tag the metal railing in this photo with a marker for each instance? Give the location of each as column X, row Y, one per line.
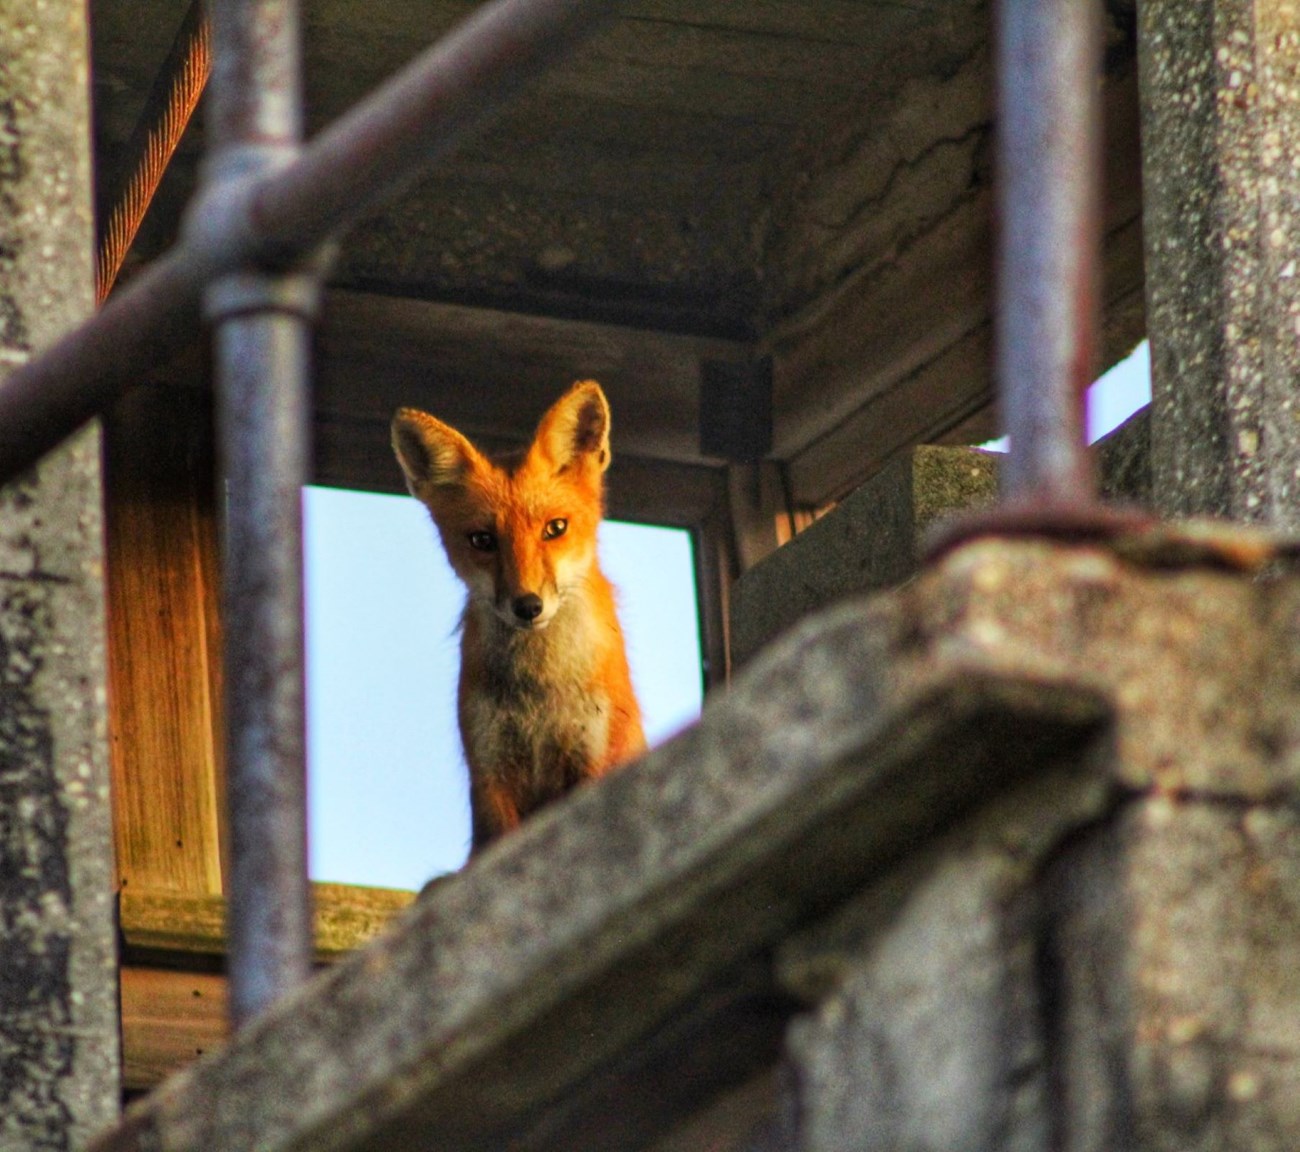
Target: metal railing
column 366, row 157
column 248, row 260
column 1049, row 231
column 261, row 330
column 247, row 257
column 1049, row 241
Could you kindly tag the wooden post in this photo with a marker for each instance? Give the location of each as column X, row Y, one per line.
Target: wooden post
column 164, row 644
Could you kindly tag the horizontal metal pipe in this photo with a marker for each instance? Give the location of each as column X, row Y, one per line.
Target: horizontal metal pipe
column 82, row 374
column 368, row 155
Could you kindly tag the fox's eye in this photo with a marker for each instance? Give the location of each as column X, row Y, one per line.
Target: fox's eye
column 483, row 541
column 554, row 528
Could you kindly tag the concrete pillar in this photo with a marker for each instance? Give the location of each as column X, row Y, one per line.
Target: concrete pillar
column 1221, row 161
column 928, row 1039
column 1081, row 966
column 868, row 542
column 59, row 1062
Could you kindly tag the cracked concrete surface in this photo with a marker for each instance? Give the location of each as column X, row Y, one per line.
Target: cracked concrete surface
column 59, row 1069
column 1018, row 834
column 1221, row 133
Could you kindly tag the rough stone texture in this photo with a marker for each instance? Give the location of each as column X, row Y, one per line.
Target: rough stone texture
column 907, row 1051
column 1124, row 461
column 632, row 183
column 867, row 543
column 1072, row 971
column 1221, row 138
column 1174, row 949
column 1154, row 641
column 949, row 481
column 1218, row 1060
column 912, row 804
column 58, row 980
column 912, row 1050
column 935, row 1022
column 928, row 1028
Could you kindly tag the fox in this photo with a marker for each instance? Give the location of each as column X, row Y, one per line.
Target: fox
column 545, row 700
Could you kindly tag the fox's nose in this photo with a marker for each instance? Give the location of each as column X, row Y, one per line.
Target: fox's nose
column 528, row 608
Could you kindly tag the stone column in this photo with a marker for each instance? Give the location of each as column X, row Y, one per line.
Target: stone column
column 1081, row 966
column 59, row 1061
column 1221, row 165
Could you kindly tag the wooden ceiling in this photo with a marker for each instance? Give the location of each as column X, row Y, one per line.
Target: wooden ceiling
column 707, row 181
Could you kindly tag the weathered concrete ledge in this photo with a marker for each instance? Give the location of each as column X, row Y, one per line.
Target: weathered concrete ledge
column 1124, row 461
column 621, row 919
column 1037, row 977
column 865, row 544
column 870, row 541
column 604, row 920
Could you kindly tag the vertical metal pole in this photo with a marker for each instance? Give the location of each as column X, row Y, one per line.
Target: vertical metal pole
column 1049, row 239
column 262, row 329
column 1050, row 194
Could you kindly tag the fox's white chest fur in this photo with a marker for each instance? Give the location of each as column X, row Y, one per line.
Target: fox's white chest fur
column 532, row 705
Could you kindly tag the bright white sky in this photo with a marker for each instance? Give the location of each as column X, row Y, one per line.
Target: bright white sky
column 387, row 790
column 1120, row 392
column 388, row 802
column 1114, row 397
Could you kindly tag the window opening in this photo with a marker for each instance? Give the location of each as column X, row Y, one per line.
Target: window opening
column 387, row 792
column 1113, row 397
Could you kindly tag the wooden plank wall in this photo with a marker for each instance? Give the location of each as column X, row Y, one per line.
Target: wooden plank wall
column 173, row 1015
column 164, row 637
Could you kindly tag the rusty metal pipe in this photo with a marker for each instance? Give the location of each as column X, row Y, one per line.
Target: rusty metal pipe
column 263, row 417
column 369, row 154
column 1049, row 170
column 83, row 373
column 261, row 357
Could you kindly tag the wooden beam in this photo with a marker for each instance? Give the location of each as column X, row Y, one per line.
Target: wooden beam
column 169, row 1017
column 492, row 374
column 951, row 390
column 345, row 916
column 169, row 1020
column 760, row 516
column 357, row 453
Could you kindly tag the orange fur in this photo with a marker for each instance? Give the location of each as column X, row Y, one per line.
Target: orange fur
column 545, row 697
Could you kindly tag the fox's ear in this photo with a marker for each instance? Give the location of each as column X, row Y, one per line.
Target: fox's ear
column 576, row 428
column 432, row 454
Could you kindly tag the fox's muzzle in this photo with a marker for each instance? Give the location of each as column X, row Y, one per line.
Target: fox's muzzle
column 527, row 608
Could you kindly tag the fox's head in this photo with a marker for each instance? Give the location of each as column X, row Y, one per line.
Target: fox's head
column 520, row 531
